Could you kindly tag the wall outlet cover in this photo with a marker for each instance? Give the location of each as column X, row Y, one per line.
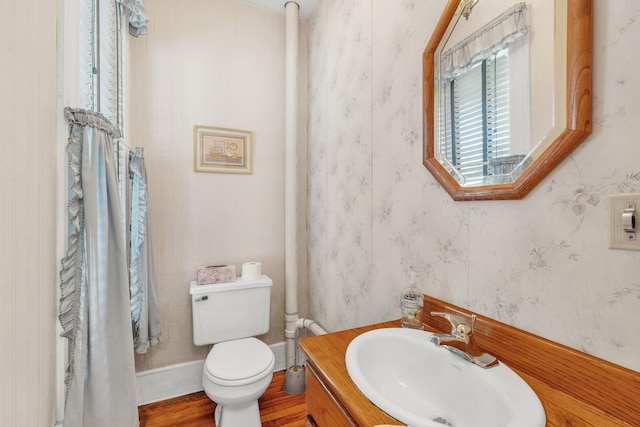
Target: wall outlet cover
column 624, row 210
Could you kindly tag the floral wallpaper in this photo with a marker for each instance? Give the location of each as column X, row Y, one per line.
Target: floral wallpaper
column 541, row 264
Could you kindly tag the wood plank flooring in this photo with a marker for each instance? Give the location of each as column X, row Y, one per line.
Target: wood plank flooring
column 277, row 409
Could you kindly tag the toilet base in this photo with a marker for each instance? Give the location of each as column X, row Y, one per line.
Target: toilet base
column 247, row 415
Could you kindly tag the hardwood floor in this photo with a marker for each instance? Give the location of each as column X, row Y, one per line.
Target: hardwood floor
column 277, row 409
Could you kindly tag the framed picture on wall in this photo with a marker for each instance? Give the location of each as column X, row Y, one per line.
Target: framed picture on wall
column 222, row 150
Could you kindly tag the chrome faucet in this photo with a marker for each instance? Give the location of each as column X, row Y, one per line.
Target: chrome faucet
column 461, row 340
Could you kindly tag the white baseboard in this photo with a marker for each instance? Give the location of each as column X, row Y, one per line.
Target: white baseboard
column 172, row 381
column 169, row 381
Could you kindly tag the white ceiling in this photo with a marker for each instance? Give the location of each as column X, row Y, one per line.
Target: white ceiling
column 306, row 6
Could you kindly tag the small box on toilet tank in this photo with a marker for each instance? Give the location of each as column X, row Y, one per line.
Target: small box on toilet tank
column 216, row 274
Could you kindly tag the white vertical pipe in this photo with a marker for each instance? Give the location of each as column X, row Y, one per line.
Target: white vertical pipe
column 291, row 179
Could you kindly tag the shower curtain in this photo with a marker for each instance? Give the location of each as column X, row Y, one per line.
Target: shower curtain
column 95, row 304
column 145, row 309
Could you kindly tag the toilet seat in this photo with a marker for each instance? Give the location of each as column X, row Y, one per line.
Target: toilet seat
column 239, row 362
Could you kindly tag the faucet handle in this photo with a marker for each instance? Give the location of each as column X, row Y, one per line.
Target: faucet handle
column 459, row 323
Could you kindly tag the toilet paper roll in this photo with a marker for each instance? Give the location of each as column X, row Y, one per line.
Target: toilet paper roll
column 251, row 270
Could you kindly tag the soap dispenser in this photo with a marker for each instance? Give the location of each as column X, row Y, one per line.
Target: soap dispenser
column 411, row 303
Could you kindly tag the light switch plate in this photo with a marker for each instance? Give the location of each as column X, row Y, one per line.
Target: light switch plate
column 618, row 237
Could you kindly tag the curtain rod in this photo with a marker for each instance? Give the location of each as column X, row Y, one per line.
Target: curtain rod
column 125, row 144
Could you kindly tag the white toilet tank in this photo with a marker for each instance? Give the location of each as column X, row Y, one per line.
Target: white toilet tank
column 230, row 311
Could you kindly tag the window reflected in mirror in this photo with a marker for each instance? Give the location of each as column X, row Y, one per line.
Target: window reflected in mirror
column 484, row 131
column 476, row 117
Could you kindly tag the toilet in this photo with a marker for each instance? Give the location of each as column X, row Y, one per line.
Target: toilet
column 239, row 367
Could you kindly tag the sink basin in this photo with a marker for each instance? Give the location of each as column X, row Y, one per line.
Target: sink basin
column 423, row 385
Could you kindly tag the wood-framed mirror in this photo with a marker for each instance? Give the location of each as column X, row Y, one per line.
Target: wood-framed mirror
column 549, row 108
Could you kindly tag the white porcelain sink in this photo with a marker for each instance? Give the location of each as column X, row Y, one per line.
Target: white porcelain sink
column 423, row 385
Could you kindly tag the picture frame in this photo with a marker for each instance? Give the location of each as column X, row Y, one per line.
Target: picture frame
column 223, row 150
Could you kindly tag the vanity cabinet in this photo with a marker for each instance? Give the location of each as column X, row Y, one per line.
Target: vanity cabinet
column 333, row 400
column 323, row 410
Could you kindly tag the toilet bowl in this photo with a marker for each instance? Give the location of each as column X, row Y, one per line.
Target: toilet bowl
column 236, row 374
column 239, row 367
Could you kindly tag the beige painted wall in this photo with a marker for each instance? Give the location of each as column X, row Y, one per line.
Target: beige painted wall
column 214, row 63
column 28, row 212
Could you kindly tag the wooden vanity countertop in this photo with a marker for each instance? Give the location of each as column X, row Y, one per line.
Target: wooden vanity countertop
column 575, row 389
column 325, row 354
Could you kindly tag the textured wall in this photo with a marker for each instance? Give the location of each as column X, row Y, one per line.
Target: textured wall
column 214, row 63
column 28, row 212
column 541, row 264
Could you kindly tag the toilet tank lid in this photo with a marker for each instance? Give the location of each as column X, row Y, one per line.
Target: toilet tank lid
column 263, row 281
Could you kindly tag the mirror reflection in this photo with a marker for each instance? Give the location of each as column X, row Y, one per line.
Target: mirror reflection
column 507, row 93
column 483, row 92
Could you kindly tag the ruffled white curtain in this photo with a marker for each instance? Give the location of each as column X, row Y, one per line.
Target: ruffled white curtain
column 94, row 306
column 488, row 40
column 145, row 308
